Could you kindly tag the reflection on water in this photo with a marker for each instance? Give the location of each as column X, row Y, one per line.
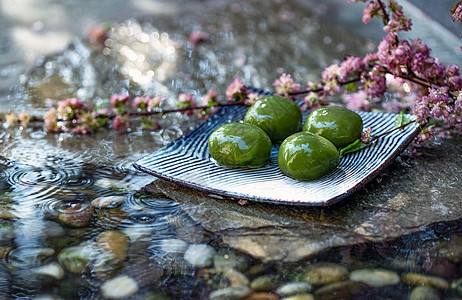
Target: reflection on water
column 56, row 240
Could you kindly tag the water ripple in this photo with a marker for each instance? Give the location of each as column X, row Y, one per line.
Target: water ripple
column 158, row 203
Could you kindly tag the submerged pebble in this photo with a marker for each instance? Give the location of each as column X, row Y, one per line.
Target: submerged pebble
column 7, row 231
column 294, row 288
column 113, row 249
column 340, row 290
column 76, row 216
column 456, row 284
column 173, row 246
column 450, row 249
column 375, row 277
column 300, row 297
column 138, row 232
column 77, row 259
column 5, row 251
column 236, row 278
column 7, row 213
column 262, row 296
column 324, row 273
column 415, row 279
column 113, row 242
column 200, row 255
column 53, row 229
column 230, row 293
column 119, row 287
column 108, row 201
column 46, row 297
column 264, row 283
column 30, row 256
column 424, row 293
column 53, row 270
column 114, row 184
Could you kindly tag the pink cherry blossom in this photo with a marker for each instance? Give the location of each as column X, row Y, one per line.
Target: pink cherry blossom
column 121, row 122
column 285, row 85
column 236, row 91
column 51, row 120
column 314, row 101
column 24, row 118
column 140, row 103
column 372, row 9
column 252, row 98
column 155, row 102
column 366, row 135
column 351, row 65
column 118, row 100
column 330, row 79
column 457, row 12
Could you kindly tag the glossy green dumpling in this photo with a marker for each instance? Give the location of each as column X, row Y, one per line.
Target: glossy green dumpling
column 279, row 117
column 240, row 145
column 306, row 156
column 337, row 124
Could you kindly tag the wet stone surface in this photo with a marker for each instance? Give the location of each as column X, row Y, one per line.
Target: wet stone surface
column 382, row 211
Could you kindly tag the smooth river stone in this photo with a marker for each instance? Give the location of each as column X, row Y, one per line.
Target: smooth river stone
column 264, row 283
column 324, row 273
column 230, row 293
column 416, row 279
column 236, row 278
column 375, row 277
column 53, row 270
column 424, row 293
column 340, row 290
column 108, row 201
column 397, row 205
column 200, row 255
column 294, row 288
column 120, row 287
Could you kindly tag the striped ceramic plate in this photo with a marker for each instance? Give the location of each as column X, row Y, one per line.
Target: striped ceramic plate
column 187, row 161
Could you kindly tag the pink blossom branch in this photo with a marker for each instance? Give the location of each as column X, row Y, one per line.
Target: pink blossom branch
column 385, row 14
column 174, row 110
column 147, row 113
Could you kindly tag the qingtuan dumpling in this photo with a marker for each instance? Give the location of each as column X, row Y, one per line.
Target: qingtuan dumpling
column 279, row 117
column 240, row 145
column 306, row 156
column 337, row 124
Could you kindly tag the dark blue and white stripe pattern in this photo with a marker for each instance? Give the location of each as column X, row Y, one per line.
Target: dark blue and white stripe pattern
column 187, row 161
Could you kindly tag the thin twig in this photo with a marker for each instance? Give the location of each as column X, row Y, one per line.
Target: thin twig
column 179, row 109
column 320, row 89
column 376, row 137
column 385, row 14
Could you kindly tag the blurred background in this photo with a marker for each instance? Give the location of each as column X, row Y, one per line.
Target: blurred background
column 32, row 28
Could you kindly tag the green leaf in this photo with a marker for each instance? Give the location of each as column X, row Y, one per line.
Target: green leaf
column 212, row 104
column 146, row 123
column 353, row 147
column 401, row 120
column 182, row 104
column 102, row 120
column 351, row 87
column 432, row 122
